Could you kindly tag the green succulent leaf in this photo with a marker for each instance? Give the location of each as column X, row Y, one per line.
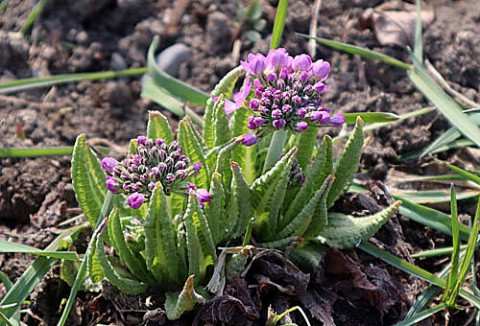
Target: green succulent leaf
column 158, row 127
column 116, row 277
column 313, row 180
column 215, row 209
column 160, row 241
column 88, row 179
column 347, row 165
column 312, row 216
column 267, row 195
column 221, row 128
column 305, row 142
column 178, row 303
column 240, row 198
column 225, row 86
column 192, row 146
column 200, row 245
column 345, row 231
column 135, row 263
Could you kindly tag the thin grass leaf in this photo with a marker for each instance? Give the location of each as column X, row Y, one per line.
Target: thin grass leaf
column 430, row 217
column 436, row 252
column 12, row 247
column 174, row 86
column 418, row 46
column 453, row 275
column 33, row 275
column 36, row 11
column 465, row 264
column 467, row 175
column 371, row 117
column 6, row 281
column 445, row 104
column 82, row 270
column 434, row 196
column 366, row 53
column 279, row 24
column 159, row 95
column 414, row 270
column 19, row 152
column 459, row 143
column 443, row 140
column 422, row 315
column 33, row 83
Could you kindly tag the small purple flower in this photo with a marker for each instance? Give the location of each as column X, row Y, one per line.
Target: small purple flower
column 321, row 117
column 111, row 185
column 280, row 123
column 277, row 58
column 254, row 104
column 203, row 196
column 276, row 114
column 301, row 126
column 255, row 64
column 141, row 140
column 321, row 69
column 249, row 139
column 190, row 187
column 337, row 120
column 302, row 62
column 320, row 87
column 197, row 166
column 136, row 200
column 238, row 98
column 108, row 164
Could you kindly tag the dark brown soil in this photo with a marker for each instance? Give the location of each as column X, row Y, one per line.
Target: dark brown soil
column 84, row 36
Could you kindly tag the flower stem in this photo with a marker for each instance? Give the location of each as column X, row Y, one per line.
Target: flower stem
column 275, row 150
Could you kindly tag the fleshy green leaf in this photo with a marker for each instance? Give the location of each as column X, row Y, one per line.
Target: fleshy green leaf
column 177, row 303
column 160, row 241
column 158, row 126
column 305, row 142
column 320, row 215
column 240, row 195
column 135, row 263
column 88, row 180
column 193, row 148
column 268, row 188
column 225, row 86
column 347, row 165
column 216, row 214
column 125, row 284
column 345, row 231
column 303, row 221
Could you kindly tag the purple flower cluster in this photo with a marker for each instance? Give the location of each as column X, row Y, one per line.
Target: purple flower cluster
column 154, row 161
column 287, row 93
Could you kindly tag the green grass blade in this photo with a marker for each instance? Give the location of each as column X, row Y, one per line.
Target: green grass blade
column 414, row 270
column 434, row 196
column 465, row 265
column 82, row 270
column 172, row 85
column 418, row 46
column 33, row 275
column 453, row 275
column 444, row 139
column 467, row 175
column 6, row 281
column 371, row 117
column 32, row 83
column 436, row 252
column 422, row 315
column 430, row 217
column 352, row 49
column 279, row 24
column 19, row 152
column 9, row 247
column 445, row 104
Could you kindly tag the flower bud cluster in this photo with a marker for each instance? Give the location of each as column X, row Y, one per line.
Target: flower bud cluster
column 154, row 161
column 287, row 93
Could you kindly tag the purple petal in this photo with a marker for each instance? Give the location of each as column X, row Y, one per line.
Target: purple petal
column 302, row 125
column 136, row 200
column 337, row 120
column 249, row 139
column 321, row 69
column 302, row 62
column 108, row 163
column 203, row 196
column 230, row 107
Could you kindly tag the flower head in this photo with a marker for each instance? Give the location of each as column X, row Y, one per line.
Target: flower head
column 154, row 161
column 203, row 196
column 287, row 94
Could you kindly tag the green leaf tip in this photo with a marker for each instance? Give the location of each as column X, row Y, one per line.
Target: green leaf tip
column 178, row 303
column 346, row 231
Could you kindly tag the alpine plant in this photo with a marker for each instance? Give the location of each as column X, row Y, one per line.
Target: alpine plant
column 173, row 201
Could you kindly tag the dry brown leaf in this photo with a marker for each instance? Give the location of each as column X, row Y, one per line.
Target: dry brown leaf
column 394, row 22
